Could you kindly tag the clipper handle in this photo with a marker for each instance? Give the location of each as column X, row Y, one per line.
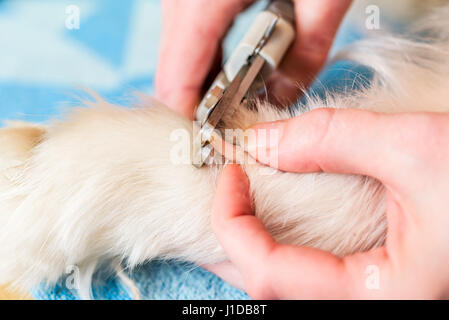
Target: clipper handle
column 277, row 45
column 273, row 51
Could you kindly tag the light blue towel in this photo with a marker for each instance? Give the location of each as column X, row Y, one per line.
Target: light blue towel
column 114, row 52
column 155, row 280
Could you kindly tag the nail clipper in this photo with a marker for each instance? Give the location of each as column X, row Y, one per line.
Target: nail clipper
column 258, row 54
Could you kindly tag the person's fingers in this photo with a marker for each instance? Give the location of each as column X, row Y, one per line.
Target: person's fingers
column 340, row 141
column 183, row 67
column 293, row 272
column 228, row 272
column 317, row 23
column 233, row 205
column 190, row 40
column 272, row 270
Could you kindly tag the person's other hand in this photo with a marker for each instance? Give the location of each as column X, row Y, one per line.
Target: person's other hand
column 408, row 153
column 192, row 31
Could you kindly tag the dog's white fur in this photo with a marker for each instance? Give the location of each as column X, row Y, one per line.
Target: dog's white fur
column 100, row 185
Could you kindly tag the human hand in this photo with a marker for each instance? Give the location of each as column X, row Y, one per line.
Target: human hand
column 408, row 153
column 192, row 32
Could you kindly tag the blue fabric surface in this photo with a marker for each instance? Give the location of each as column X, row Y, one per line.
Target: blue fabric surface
column 114, row 52
column 155, row 280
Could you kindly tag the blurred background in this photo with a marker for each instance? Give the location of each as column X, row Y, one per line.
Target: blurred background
column 46, row 56
column 50, row 49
